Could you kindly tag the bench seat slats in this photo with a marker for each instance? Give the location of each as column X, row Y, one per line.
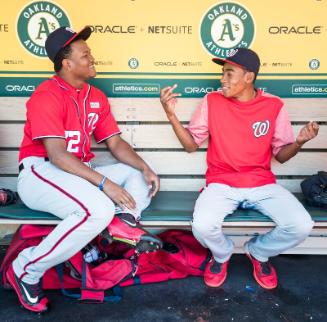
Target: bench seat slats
column 145, row 136
column 150, row 110
column 183, row 163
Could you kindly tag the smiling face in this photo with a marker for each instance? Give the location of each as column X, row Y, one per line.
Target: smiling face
column 236, row 82
column 80, row 62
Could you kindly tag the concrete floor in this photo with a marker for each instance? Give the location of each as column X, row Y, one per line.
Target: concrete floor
column 300, row 296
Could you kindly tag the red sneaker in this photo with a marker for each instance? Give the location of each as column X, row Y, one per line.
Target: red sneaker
column 215, row 273
column 30, row 295
column 263, row 272
column 124, row 228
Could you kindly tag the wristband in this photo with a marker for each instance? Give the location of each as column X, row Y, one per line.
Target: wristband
column 102, row 183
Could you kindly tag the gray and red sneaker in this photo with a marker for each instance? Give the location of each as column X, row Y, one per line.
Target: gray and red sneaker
column 30, row 295
column 215, row 273
column 126, row 229
column 263, row 272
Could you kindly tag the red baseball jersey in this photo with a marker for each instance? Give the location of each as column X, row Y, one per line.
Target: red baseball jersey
column 58, row 110
column 242, row 137
column 239, row 150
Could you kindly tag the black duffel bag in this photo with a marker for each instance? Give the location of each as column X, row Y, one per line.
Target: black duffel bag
column 7, row 197
column 314, row 189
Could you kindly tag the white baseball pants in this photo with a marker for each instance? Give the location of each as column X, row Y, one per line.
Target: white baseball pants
column 216, row 201
column 86, row 211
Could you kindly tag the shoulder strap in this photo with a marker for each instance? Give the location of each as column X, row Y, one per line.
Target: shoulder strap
column 88, row 295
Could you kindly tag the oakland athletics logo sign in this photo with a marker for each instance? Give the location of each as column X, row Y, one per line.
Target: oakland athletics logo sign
column 36, row 21
column 225, row 26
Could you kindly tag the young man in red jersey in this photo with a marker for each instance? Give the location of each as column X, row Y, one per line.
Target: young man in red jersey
column 58, row 176
column 246, row 128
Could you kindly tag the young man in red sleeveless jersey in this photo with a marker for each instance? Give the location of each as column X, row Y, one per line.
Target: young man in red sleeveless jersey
column 245, row 128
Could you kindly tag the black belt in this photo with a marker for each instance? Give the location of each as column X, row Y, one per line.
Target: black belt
column 21, row 166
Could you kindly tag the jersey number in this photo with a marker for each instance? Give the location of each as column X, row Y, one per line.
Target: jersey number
column 74, row 138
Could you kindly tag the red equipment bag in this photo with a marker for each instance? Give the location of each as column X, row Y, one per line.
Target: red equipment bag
column 91, row 278
column 181, row 256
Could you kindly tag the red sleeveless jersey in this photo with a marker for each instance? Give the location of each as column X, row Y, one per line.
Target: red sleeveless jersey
column 240, row 140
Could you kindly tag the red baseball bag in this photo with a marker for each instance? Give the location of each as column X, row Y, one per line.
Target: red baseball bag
column 181, row 256
column 91, row 278
column 115, row 266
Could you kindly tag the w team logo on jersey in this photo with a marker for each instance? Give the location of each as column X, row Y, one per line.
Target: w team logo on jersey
column 260, row 128
column 225, row 26
column 36, row 21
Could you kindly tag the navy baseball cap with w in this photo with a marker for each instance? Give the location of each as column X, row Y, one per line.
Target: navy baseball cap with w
column 62, row 37
column 241, row 57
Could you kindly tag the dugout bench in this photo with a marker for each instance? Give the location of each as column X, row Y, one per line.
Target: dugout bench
column 145, row 127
